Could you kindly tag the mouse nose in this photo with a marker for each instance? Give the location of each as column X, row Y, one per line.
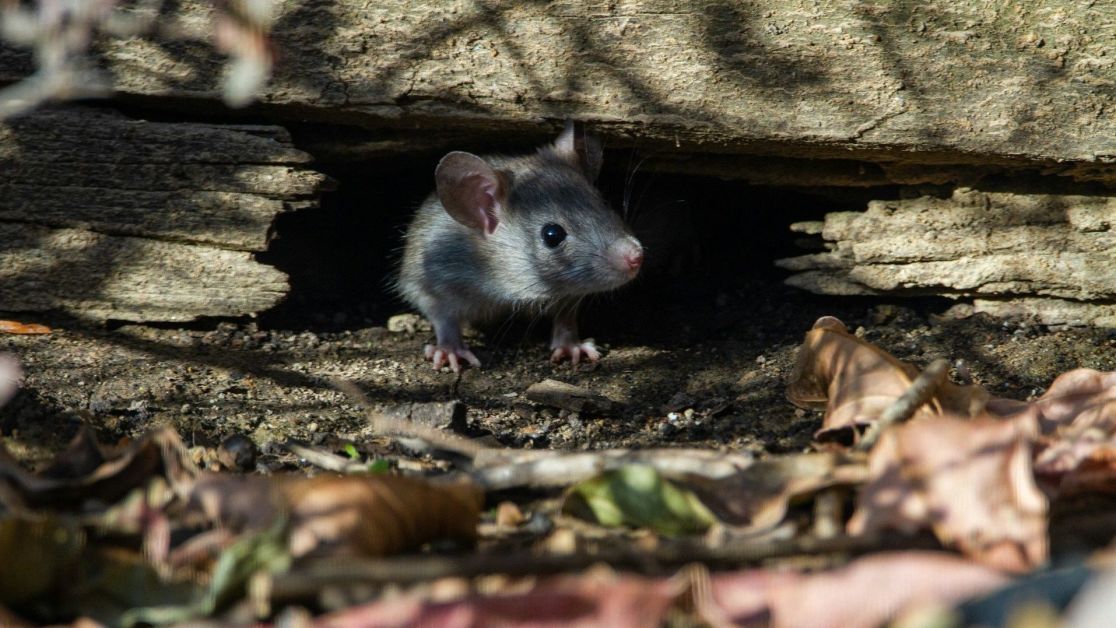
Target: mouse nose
column 627, row 255
column 634, row 258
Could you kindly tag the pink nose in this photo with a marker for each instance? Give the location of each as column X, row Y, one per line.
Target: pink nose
column 627, row 255
column 634, row 258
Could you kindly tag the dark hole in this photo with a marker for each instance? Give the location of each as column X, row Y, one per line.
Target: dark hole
column 705, row 237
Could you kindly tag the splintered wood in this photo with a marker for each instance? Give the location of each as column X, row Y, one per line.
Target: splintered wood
column 1048, row 257
column 106, row 217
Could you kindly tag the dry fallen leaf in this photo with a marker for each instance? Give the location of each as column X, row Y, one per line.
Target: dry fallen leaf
column 856, row 381
column 868, row 592
column 970, row 481
column 371, row 515
column 757, row 497
column 1081, row 399
column 16, row 327
column 598, row 598
column 1077, row 416
column 378, row 515
column 87, row 472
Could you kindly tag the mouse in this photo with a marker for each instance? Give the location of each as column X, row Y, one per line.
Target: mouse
column 523, row 234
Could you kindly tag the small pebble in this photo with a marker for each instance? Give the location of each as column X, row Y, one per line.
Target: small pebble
column 237, row 453
column 509, row 515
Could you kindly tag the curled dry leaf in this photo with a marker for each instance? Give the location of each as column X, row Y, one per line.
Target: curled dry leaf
column 370, row 515
column 87, row 472
column 599, row 598
column 1077, row 416
column 855, row 381
column 757, row 497
column 868, row 592
column 378, row 515
column 971, row 481
column 16, row 327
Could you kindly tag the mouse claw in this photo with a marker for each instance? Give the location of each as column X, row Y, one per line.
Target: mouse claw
column 575, row 351
column 442, row 355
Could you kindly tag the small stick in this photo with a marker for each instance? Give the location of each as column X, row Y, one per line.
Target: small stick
column 544, row 468
column 395, row 426
column 340, row 464
column 828, row 515
column 921, row 390
column 309, row 579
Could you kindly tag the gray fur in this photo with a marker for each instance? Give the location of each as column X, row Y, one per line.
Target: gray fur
column 454, row 274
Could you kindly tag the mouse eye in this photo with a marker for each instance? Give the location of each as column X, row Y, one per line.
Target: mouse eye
column 553, row 235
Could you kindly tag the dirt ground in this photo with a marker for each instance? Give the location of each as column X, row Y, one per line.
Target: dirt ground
column 705, row 371
column 697, row 350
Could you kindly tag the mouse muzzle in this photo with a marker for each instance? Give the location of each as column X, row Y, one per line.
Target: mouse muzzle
column 626, row 256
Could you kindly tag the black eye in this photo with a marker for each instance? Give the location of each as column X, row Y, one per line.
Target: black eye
column 553, row 234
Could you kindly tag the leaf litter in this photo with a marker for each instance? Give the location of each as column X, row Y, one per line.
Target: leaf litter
column 136, row 533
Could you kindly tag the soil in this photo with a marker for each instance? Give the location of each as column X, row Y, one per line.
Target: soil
column 697, row 350
column 704, row 372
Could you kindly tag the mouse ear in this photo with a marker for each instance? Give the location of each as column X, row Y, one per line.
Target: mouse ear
column 470, row 190
column 580, row 148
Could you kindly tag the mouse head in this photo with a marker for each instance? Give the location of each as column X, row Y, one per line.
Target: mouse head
column 542, row 215
column 475, row 194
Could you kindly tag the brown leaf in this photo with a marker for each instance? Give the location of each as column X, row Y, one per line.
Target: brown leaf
column 10, row 377
column 1079, row 399
column 1077, row 416
column 596, row 599
column 379, row 515
column 15, row 327
column 868, row 592
column 757, row 497
column 370, row 515
column 856, row 381
column 969, row 480
column 87, row 472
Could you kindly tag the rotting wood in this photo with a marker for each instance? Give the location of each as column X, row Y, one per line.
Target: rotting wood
column 558, row 394
column 443, row 415
column 106, row 217
column 105, row 277
column 906, row 81
column 1051, row 257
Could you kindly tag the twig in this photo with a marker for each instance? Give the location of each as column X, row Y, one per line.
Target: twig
column 500, row 469
column 340, row 464
column 828, row 515
column 395, row 426
column 313, row 576
column 921, row 390
column 326, row 460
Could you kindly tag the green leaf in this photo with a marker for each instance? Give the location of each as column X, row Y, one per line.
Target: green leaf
column 38, row 553
column 351, row 451
column 379, row 465
column 264, row 551
column 637, row 495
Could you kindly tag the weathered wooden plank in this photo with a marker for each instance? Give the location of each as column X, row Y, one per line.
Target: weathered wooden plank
column 1052, row 256
column 97, row 277
column 93, row 168
column 70, row 135
column 905, row 80
column 106, row 217
column 229, row 220
column 268, row 180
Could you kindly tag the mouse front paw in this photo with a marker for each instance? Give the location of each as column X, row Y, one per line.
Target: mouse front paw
column 443, row 354
column 574, row 351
